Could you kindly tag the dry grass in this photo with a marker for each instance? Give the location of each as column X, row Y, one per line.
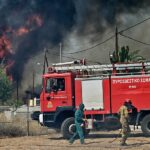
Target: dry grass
column 54, row 141
column 95, row 141
column 3, row 117
column 18, row 126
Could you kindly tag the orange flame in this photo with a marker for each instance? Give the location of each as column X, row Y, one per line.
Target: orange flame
column 22, row 31
column 32, row 23
column 5, row 46
column 5, row 51
column 35, row 20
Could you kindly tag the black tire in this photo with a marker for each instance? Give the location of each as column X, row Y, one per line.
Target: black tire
column 68, row 128
column 145, row 125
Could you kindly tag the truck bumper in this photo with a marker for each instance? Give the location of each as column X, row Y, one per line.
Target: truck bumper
column 47, row 120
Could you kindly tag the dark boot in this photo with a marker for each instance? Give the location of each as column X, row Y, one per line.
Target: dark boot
column 82, row 141
column 71, row 140
column 123, row 142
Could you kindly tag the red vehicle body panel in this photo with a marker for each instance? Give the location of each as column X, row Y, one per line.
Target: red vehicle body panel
column 59, row 98
column 136, row 88
column 78, row 94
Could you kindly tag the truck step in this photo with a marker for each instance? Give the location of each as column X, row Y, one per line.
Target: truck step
column 49, row 121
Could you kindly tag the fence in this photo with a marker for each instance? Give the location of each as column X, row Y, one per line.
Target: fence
column 19, row 122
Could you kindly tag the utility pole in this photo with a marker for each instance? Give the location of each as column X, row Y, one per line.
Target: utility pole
column 33, row 80
column 60, row 50
column 27, row 113
column 116, row 45
column 28, row 128
column 17, row 82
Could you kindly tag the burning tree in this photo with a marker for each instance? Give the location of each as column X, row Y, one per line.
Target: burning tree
column 5, row 63
column 5, row 51
column 10, row 72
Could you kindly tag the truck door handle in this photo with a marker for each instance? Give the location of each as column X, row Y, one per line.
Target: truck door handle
column 64, row 102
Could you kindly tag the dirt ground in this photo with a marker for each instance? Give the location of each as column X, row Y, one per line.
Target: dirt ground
column 95, row 141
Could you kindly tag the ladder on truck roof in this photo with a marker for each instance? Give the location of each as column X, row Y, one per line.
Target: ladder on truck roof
column 75, row 65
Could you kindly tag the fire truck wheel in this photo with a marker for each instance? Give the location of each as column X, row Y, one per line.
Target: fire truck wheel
column 68, row 128
column 145, row 125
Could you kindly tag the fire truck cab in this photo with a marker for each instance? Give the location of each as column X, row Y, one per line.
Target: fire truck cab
column 102, row 89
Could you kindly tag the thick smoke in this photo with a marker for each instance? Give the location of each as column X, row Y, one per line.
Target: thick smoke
column 61, row 21
column 96, row 21
column 98, row 15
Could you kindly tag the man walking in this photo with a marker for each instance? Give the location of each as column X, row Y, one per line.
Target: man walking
column 124, row 116
column 79, row 122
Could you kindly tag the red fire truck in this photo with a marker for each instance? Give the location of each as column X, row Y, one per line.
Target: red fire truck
column 102, row 89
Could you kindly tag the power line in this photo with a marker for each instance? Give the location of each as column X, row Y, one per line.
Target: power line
column 113, row 36
column 134, row 25
column 134, row 39
column 120, row 32
column 92, row 46
column 55, row 48
column 106, row 40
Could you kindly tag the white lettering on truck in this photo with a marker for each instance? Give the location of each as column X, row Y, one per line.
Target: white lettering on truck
column 126, row 81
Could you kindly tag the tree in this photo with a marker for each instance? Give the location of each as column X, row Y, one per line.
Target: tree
column 135, row 57
column 5, row 87
column 125, row 56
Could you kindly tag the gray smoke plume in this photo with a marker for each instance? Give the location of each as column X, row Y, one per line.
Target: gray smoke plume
column 96, row 21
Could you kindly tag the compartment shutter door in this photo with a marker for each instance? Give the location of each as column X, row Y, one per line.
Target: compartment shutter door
column 92, row 94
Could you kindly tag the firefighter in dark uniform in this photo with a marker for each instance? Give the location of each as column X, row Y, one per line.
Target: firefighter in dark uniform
column 79, row 122
column 124, row 117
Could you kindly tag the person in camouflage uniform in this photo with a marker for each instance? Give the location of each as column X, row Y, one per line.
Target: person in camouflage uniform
column 124, row 116
column 79, row 122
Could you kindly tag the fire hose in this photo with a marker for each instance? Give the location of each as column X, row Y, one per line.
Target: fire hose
column 116, row 137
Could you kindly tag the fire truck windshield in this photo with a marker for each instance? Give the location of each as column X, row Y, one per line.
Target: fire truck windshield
column 55, row 84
